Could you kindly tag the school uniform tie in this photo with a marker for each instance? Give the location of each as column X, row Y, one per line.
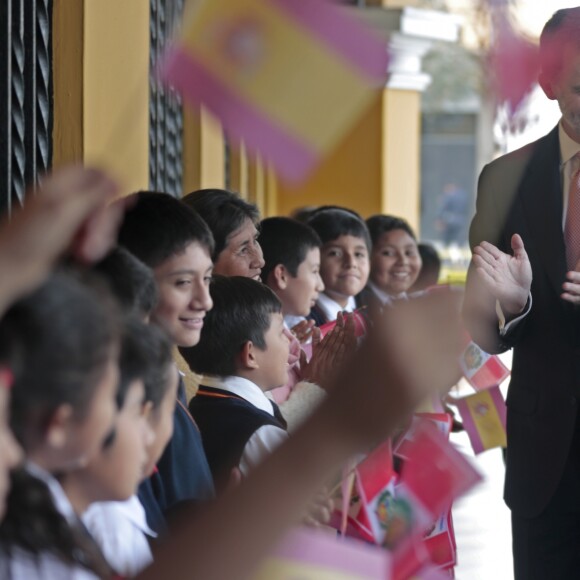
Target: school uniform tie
column 572, row 225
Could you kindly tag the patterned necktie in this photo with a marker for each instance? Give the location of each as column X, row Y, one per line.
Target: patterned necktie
column 572, row 226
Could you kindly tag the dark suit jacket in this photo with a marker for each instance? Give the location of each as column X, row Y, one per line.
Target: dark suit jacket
column 522, row 193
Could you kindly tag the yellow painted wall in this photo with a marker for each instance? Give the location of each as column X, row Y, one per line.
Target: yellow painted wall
column 401, row 155
column 67, row 68
column 203, row 150
column 350, row 176
column 116, row 89
column 376, row 167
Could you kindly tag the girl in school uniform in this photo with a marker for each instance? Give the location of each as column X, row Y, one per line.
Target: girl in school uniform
column 395, row 260
column 61, row 342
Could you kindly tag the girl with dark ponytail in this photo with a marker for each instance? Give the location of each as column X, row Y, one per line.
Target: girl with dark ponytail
column 61, row 343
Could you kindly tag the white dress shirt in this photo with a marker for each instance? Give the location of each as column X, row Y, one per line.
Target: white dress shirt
column 383, row 296
column 330, row 308
column 290, row 320
column 267, row 437
column 569, row 164
column 120, row 528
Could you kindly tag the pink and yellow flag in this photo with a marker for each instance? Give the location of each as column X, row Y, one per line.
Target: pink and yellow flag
column 308, row 554
column 286, row 77
column 484, row 419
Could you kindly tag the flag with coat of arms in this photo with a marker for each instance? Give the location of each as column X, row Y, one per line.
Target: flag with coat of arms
column 482, row 370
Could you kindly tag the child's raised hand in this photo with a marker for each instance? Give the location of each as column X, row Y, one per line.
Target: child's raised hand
column 319, row 510
column 50, row 220
column 410, row 351
column 328, row 355
column 303, row 330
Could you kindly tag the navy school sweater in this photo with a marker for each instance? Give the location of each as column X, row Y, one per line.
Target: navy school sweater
column 227, row 422
column 183, row 473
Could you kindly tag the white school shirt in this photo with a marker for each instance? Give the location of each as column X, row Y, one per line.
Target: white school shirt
column 568, row 151
column 267, row 437
column 120, row 529
column 331, row 308
column 290, row 320
column 383, row 296
column 23, row 565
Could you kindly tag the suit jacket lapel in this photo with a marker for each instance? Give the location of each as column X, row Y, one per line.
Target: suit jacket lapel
column 541, row 195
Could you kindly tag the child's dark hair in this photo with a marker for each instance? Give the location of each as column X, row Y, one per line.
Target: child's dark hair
column 331, row 222
column 242, row 312
column 146, row 355
column 131, row 281
column 34, row 524
column 134, row 356
column 381, row 224
column 223, row 211
column 558, row 34
column 429, row 273
column 158, row 226
column 57, row 341
column 158, row 347
column 285, row 241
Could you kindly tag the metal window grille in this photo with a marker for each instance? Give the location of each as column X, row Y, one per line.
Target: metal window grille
column 165, row 107
column 25, row 97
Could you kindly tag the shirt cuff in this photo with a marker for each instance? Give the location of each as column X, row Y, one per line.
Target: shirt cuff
column 503, row 327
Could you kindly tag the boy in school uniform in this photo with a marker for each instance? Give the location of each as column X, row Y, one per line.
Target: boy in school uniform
column 292, row 267
column 176, row 244
column 292, row 271
column 344, row 265
column 235, row 225
column 242, row 353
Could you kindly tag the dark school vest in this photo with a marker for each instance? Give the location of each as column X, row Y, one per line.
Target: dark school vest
column 227, row 422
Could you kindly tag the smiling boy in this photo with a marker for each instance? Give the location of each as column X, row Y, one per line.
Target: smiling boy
column 344, row 265
column 176, row 244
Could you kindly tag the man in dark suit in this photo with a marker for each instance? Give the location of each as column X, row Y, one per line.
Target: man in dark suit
column 523, row 291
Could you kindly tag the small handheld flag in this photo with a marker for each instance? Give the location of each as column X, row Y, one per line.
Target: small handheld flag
column 482, row 370
column 484, row 419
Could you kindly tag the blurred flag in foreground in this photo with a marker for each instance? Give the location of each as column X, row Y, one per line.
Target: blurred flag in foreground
column 286, row 77
column 515, row 62
column 308, row 554
column 484, row 419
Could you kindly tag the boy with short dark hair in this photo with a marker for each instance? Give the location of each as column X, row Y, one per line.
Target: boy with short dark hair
column 344, row 265
column 292, row 265
column 131, row 281
column 242, row 353
column 176, row 244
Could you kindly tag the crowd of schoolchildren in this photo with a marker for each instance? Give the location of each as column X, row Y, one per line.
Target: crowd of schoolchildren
column 116, row 464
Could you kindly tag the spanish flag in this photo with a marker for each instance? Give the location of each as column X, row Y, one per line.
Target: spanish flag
column 484, row 419
column 286, row 77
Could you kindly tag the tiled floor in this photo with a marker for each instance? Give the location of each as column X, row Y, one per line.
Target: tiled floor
column 482, row 521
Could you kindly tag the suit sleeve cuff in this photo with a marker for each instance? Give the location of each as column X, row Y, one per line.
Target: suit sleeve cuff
column 505, row 328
